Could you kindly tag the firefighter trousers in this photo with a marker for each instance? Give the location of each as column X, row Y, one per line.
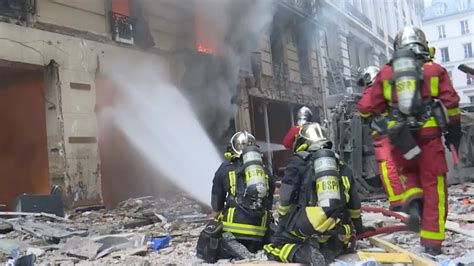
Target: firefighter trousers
column 426, row 181
column 391, row 180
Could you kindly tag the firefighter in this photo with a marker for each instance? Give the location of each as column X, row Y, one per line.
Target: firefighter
column 421, row 100
column 303, row 116
column 391, row 181
column 319, row 208
column 242, row 195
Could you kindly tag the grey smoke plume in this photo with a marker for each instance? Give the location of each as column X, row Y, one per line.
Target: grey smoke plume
column 237, row 28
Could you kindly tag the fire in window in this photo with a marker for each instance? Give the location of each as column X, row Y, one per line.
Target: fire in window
column 122, row 24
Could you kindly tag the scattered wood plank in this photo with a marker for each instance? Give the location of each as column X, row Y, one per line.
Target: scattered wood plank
column 386, row 257
column 417, row 260
column 455, row 227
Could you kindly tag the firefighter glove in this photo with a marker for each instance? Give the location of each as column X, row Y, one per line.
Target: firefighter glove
column 453, row 136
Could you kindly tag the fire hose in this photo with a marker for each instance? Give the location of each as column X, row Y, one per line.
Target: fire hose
column 388, row 229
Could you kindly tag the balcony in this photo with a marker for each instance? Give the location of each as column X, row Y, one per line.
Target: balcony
column 306, row 7
column 359, row 15
column 17, row 9
column 122, row 28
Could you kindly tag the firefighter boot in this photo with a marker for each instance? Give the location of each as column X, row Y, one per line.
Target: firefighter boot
column 234, row 248
column 432, row 250
column 414, row 215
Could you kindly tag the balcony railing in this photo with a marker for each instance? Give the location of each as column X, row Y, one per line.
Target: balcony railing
column 17, row 9
column 359, row 15
column 122, row 28
column 307, row 7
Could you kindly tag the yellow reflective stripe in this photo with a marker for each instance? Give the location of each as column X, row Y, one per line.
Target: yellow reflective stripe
column 272, row 250
column 387, row 91
column 347, row 230
column 364, row 115
column 391, row 123
column 391, row 195
column 230, row 215
column 454, row 111
column 431, row 122
column 355, row 214
column 283, row 209
column 441, row 212
column 232, row 182
column 244, row 229
column 347, row 186
column 412, row 191
column 434, row 85
column 285, row 252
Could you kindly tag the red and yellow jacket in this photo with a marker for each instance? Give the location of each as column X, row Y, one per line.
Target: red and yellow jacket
column 436, row 85
column 290, row 137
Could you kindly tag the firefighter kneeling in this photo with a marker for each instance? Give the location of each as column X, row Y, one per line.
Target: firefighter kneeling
column 242, row 194
column 319, row 205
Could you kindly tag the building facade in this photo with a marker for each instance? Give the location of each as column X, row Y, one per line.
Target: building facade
column 449, row 27
column 55, row 57
column 355, row 34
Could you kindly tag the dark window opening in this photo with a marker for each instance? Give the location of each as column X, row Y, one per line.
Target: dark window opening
column 304, row 50
column 17, row 9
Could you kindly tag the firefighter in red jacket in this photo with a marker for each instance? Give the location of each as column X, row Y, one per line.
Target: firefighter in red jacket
column 304, row 116
column 422, row 105
column 388, row 170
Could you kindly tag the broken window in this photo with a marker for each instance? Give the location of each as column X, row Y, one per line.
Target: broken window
column 276, row 41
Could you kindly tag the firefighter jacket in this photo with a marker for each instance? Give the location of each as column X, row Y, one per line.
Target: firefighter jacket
column 294, row 183
column 228, row 189
column 362, row 106
column 290, row 137
column 436, row 85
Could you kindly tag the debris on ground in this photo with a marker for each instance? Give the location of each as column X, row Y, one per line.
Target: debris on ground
column 148, row 231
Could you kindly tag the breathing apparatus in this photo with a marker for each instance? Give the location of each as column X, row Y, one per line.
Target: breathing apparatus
column 255, row 177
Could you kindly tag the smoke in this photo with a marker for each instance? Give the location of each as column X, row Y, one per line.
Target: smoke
column 176, row 128
column 232, row 30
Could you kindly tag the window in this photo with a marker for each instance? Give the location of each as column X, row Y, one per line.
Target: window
column 463, row 4
column 441, row 32
column 467, row 50
column 464, row 27
column 440, row 8
column 444, row 54
column 469, row 79
column 121, row 23
column 471, row 98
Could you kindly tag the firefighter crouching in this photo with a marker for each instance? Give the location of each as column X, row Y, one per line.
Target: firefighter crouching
column 242, row 194
column 421, row 100
column 391, row 181
column 303, row 116
column 319, row 207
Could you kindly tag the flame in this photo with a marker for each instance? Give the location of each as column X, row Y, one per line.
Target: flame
column 206, row 50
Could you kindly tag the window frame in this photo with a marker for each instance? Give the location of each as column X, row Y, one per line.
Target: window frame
column 467, row 52
column 464, row 27
column 441, row 32
column 443, row 59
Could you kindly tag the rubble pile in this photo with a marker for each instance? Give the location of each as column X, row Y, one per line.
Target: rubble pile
column 139, row 231
column 149, row 231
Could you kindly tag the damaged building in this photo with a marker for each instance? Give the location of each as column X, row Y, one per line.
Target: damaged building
column 56, row 56
column 243, row 65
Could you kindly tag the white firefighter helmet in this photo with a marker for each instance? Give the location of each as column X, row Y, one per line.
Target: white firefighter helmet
column 411, row 37
column 241, row 139
column 368, row 76
column 314, row 135
column 304, row 115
